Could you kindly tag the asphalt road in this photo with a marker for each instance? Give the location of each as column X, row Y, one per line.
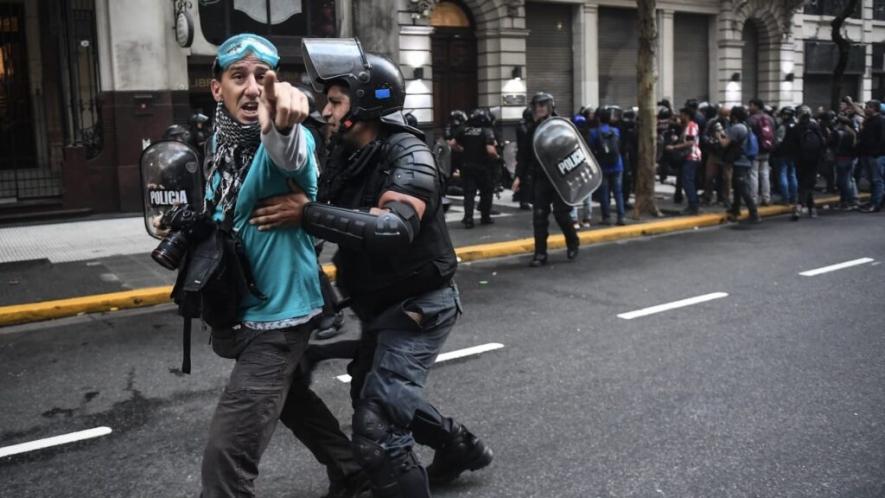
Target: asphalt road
column 776, row 390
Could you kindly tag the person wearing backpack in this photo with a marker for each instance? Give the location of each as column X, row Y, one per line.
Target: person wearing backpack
column 844, row 143
column 605, row 144
column 688, row 146
column 812, row 146
column 741, row 147
column 760, row 174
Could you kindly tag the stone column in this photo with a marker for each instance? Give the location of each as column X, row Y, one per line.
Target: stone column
column 587, row 53
column 666, row 50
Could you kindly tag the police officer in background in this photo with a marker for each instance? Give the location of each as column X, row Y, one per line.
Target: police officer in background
column 479, row 155
column 457, row 120
column 545, row 195
column 395, row 261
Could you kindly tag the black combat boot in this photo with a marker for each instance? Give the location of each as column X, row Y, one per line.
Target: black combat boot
column 463, row 451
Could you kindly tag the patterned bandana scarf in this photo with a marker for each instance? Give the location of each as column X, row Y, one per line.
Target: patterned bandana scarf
column 235, row 146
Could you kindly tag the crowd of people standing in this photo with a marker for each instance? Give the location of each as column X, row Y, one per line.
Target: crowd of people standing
column 717, row 155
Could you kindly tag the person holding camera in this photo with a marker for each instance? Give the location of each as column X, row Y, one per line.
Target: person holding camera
column 259, row 149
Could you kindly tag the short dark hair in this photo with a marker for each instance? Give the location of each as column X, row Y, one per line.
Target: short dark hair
column 688, row 111
column 757, row 102
column 875, row 104
column 739, row 113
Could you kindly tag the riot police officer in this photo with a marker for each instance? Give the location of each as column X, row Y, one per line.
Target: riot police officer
column 545, row 196
column 478, row 145
column 395, row 261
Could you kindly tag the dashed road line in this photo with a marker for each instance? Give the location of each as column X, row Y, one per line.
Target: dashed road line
column 54, row 441
column 675, row 304
column 839, row 266
column 451, row 355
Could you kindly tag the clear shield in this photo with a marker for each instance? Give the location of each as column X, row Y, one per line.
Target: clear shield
column 331, row 58
column 509, row 154
column 170, row 175
column 566, row 159
column 443, row 154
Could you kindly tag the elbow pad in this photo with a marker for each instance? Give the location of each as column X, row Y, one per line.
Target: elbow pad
column 359, row 230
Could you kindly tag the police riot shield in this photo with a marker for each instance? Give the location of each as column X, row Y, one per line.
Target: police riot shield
column 443, row 154
column 509, row 155
column 170, row 175
column 566, row 159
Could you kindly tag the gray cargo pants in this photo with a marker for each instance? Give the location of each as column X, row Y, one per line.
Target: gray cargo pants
column 265, row 385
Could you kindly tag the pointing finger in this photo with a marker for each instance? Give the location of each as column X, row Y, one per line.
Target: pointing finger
column 270, row 80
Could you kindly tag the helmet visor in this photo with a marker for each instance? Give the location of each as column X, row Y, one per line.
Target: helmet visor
column 238, row 47
column 328, row 59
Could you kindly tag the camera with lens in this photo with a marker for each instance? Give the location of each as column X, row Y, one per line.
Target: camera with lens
column 185, row 228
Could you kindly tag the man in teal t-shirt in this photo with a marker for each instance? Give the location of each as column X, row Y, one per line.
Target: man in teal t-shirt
column 258, row 148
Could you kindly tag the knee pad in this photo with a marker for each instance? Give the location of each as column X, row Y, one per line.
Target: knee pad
column 370, row 428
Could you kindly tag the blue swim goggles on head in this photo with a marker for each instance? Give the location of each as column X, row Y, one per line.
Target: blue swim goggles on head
column 238, row 47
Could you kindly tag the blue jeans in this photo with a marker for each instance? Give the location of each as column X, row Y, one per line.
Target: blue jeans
column 789, row 183
column 689, row 173
column 612, row 184
column 845, row 180
column 873, row 168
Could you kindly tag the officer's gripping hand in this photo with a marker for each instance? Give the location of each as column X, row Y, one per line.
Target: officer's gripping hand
column 281, row 105
column 281, row 211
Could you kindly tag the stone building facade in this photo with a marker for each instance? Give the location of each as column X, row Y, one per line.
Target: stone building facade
column 85, row 84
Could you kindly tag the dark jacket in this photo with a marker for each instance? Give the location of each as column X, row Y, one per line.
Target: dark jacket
column 870, row 141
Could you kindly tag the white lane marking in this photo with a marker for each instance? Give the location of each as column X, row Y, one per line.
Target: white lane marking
column 451, row 355
column 827, row 269
column 669, row 306
column 54, row 441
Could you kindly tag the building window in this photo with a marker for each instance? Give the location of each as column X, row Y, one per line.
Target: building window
column 821, row 58
column 832, row 8
column 879, row 10
column 878, row 71
column 274, row 19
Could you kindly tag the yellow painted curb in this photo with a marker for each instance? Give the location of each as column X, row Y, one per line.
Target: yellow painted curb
column 33, row 312
column 46, row 310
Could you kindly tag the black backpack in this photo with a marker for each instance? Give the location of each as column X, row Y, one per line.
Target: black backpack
column 608, row 148
column 811, row 144
column 843, row 142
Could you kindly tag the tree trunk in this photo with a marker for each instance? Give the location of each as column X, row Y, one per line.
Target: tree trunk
column 647, row 120
column 844, row 47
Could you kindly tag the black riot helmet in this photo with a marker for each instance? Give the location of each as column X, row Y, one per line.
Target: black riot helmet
column 544, row 98
column 787, row 112
column 375, row 83
column 178, row 133
column 457, row 118
column 199, row 119
column 480, row 117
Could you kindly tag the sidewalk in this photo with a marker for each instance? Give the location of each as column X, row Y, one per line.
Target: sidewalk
column 59, row 261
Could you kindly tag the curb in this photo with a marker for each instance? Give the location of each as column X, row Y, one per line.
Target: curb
column 47, row 310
